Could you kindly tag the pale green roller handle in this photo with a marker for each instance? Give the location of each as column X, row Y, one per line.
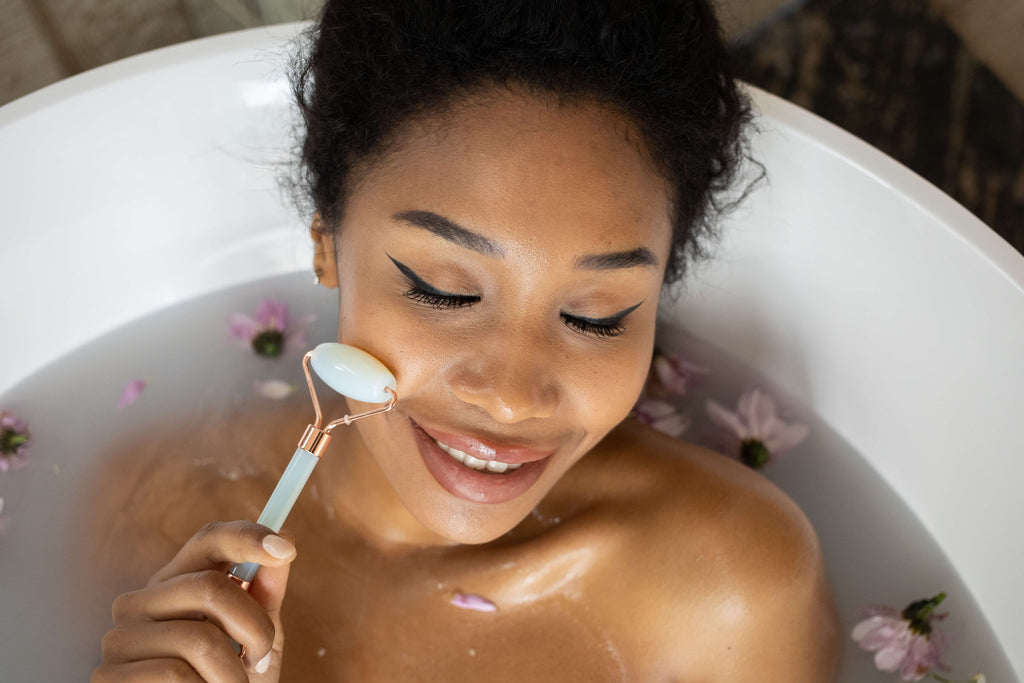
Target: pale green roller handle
column 281, row 501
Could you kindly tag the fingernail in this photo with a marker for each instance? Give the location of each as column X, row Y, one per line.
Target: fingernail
column 278, row 547
column 264, row 664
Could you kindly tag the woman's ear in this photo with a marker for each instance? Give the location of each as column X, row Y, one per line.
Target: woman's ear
column 325, row 265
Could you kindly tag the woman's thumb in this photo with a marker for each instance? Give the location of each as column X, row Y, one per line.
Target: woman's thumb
column 269, row 585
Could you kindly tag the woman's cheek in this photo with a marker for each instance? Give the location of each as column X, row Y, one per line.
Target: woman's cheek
column 407, row 342
column 607, row 385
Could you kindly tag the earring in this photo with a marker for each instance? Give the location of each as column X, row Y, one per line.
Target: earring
column 316, row 277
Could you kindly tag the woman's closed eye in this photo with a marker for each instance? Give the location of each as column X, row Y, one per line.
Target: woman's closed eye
column 610, row 326
column 423, row 292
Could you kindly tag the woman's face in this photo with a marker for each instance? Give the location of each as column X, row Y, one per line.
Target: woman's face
column 504, row 261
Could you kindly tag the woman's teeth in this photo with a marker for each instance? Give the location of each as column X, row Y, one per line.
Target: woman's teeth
column 476, row 463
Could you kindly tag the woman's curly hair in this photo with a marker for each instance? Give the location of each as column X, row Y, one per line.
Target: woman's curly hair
column 370, row 65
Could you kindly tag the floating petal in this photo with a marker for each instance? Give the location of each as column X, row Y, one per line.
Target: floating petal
column 274, row 389
column 242, row 327
column 473, row 602
column 132, row 391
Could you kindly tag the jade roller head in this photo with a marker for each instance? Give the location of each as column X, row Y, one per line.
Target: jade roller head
column 351, row 372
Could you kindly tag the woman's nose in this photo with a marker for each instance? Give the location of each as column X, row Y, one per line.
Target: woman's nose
column 510, row 380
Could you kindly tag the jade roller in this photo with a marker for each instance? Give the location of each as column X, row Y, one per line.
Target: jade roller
column 351, row 372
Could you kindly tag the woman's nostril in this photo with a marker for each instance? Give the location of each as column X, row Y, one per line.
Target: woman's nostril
column 507, row 392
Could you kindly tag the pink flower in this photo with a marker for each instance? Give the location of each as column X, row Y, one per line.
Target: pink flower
column 661, row 415
column 472, row 601
column 14, row 441
column 755, row 430
column 673, row 373
column 131, row 393
column 906, row 641
column 271, row 331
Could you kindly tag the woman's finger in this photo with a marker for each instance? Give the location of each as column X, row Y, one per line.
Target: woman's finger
column 199, row 643
column 209, row 595
column 220, row 544
column 268, row 587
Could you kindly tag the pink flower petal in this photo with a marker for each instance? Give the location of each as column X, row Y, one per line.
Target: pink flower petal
column 272, row 314
column 890, row 657
column 918, row 660
column 865, row 628
column 885, row 632
column 724, row 418
column 242, row 327
column 650, row 409
column 667, row 375
column 674, row 372
column 758, row 411
column 472, row 601
column 274, row 389
column 131, row 393
column 745, row 404
column 673, row 425
column 12, row 422
column 789, row 437
column 661, row 415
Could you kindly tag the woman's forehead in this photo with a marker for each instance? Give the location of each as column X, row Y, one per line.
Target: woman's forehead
column 511, row 159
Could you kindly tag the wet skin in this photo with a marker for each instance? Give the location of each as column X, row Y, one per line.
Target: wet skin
column 504, row 259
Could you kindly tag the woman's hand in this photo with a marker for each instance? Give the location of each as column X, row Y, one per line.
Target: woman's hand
column 178, row 627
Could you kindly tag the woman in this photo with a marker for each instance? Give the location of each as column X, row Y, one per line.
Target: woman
column 501, row 192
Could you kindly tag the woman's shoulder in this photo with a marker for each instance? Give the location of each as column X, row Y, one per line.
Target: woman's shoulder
column 671, row 481
column 710, row 552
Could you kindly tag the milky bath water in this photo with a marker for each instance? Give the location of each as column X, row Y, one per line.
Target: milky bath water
column 195, row 374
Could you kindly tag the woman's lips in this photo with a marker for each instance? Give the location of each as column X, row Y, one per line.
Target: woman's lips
column 476, row 485
column 479, row 449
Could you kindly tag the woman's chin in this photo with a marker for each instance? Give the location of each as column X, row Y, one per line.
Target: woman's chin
column 457, row 522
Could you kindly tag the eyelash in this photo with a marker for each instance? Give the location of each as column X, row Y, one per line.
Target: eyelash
column 606, row 327
column 436, row 299
column 423, row 293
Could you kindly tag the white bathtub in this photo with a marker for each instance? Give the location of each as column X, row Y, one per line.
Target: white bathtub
column 851, row 283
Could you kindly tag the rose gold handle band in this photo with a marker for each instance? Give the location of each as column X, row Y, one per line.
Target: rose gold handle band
column 314, row 440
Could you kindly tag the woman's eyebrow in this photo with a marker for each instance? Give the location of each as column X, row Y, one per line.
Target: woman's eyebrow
column 450, row 230
column 641, row 256
column 455, row 233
